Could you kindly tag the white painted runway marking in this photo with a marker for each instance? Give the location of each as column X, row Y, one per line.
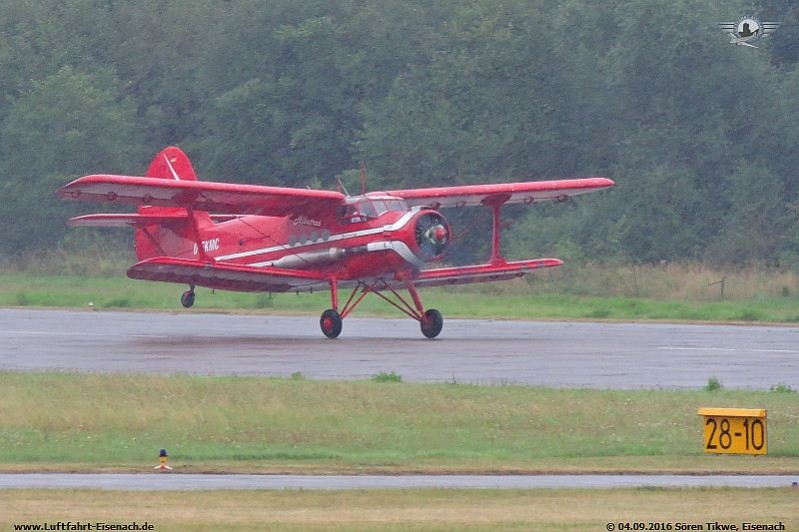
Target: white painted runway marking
column 728, row 349
column 65, row 333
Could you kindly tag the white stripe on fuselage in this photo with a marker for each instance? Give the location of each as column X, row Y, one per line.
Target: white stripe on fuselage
column 399, row 224
column 397, row 246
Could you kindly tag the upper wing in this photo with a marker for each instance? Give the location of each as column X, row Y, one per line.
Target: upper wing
column 226, row 276
column 482, row 273
column 201, row 195
column 133, row 219
column 472, row 195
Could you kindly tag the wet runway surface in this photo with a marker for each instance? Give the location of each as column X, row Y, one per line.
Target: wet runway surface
column 170, row 481
column 595, row 355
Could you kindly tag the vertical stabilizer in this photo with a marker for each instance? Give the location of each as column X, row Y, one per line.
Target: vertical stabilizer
column 176, row 238
column 172, row 163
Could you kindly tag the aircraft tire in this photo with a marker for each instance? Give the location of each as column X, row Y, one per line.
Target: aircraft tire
column 433, row 323
column 187, row 298
column 330, row 322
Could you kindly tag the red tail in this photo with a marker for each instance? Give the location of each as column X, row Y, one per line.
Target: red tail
column 175, row 238
column 172, row 163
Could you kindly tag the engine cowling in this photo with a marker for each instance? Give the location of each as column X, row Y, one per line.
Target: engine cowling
column 431, row 235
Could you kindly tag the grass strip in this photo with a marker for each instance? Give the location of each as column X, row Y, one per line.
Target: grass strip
column 517, row 301
column 119, row 422
column 403, row 509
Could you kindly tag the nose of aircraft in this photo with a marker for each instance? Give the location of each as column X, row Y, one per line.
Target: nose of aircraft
column 432, row 234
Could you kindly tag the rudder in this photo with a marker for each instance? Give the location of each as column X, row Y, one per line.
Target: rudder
column 170, row 163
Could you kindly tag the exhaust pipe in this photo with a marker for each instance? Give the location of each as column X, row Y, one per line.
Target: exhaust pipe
column 314, row 258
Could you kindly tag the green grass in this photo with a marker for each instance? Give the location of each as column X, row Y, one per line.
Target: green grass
column 387, row 377
column 268, row 424
column 519, row 301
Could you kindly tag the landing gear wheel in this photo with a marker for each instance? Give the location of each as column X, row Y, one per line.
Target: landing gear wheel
column 432, row 324
column 330, row 322
column 187, row 298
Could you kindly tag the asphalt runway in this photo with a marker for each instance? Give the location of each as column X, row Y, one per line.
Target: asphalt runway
column 168, row 481
column 556, row 354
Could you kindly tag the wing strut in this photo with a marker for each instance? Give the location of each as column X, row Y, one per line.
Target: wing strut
column 496, row 257
column 495, row 204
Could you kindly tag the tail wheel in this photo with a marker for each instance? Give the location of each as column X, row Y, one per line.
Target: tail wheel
column 187, row 299
column 432, row 324
column 330, row 322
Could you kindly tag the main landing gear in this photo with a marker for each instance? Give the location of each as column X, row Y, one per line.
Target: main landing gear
column 432, row 324
column 430, row 321
column 330, row 322
column 187, row 298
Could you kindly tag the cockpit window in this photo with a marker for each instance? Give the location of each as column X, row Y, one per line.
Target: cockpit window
column 364, row 209
column 380, row 206
column 384, row 205
column 396, row 205
column 367, row 209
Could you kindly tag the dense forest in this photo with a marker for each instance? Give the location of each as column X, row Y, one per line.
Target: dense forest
column 701, row 136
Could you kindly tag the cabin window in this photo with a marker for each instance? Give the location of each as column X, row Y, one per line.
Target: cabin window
column 379, row 206
column 396, row 205
column 365, row 209
column 357, row 212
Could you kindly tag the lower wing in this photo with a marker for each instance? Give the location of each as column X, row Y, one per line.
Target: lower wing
column 482, row 273
column 226, row 276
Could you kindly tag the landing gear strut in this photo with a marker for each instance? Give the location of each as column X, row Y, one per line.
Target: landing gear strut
column 431, row 322
column 187, row 298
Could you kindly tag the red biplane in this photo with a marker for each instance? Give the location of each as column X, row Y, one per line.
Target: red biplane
column 272, row 239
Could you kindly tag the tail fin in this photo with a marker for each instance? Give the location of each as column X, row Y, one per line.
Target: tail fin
column 172, row 163
column 177, row 237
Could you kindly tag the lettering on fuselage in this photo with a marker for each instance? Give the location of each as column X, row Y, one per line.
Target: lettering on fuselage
column 304, row 220
column 208, row 246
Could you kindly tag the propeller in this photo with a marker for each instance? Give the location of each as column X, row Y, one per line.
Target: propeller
column 432, row 235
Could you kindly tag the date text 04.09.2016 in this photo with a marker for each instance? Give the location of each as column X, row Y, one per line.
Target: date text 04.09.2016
column 678, row 525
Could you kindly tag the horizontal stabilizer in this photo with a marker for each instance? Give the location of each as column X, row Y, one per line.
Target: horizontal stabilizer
column 226, row 276
column 134, row 220
column 124, row 220
column 482, row 273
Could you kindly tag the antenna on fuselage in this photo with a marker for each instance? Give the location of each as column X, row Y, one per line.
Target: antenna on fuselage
column 341, row 186
column 363, row 178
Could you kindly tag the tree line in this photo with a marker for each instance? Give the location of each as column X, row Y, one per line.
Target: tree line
column 700, row 136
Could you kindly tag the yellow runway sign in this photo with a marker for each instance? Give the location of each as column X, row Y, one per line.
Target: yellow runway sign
column 735, row 430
